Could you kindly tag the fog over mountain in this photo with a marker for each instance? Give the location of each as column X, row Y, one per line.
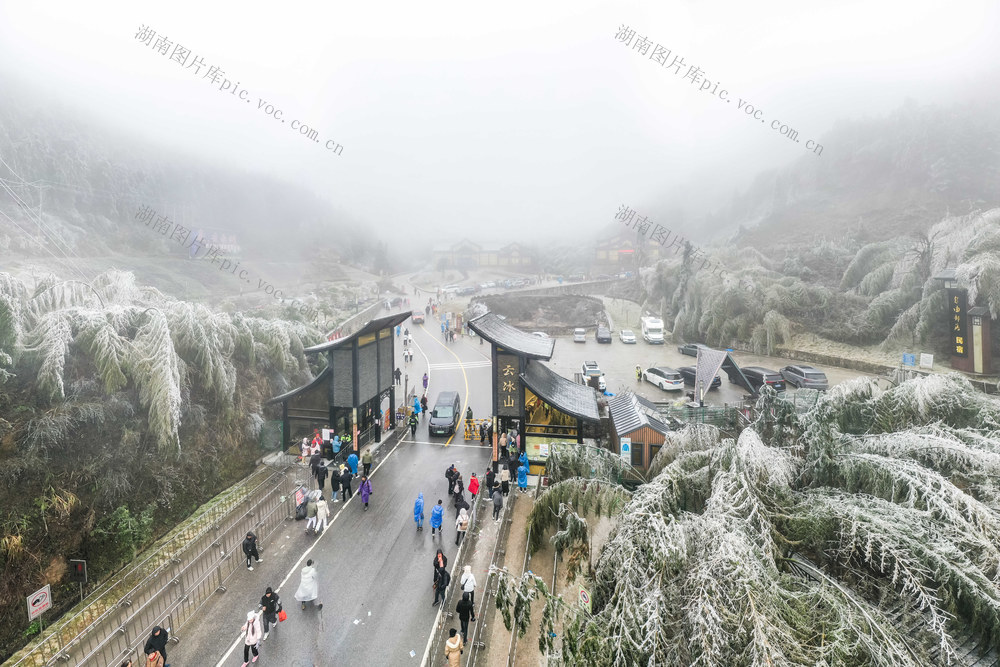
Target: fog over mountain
column 457, row 119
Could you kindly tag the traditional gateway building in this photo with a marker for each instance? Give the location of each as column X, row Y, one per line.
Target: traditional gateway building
column 354, row 394
column 527, row 395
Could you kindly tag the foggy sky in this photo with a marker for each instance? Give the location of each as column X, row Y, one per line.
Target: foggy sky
column 487, row 120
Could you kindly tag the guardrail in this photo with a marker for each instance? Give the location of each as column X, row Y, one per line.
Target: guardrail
column 436, row 655
column 487, row 605
column 171, row 584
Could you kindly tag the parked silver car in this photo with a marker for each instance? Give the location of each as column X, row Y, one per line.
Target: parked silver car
column 805, row 377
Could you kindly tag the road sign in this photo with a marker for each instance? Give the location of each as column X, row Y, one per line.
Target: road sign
column 926, row 360
column 39, row 602
column 78, row 571
column 909, row 359
column 627, row 450
column 584, row 599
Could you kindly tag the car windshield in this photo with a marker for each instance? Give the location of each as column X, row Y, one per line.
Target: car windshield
column 444, row 413
column 814, row 375
column 672, row 376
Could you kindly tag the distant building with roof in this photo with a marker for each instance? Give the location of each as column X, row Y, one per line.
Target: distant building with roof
column 469, row 255
column 621, row 249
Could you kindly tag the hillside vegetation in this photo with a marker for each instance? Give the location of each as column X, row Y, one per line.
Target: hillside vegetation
column 121, row 410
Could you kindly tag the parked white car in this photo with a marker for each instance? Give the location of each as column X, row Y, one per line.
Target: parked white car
column 627, row 336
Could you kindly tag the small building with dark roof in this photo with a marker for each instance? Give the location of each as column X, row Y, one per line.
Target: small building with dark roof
column 634, row 417
column 354, row 394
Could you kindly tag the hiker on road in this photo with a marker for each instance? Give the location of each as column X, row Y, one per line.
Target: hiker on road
column 308, row 589
column 365, row 489
column 366, row 461
column 270, row 606
column 251, row 638
column 465, row 613
column 157, row 643
column 250, row 549
column 418, row 512
column 437, row 518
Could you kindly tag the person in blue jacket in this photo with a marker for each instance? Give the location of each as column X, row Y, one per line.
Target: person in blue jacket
column 352, row 463
column 522, row 478
column 418, row 511
column 437, row 518
column 523, row 459
column 416, row 405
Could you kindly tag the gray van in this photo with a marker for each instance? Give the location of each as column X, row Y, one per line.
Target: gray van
column 445, row 414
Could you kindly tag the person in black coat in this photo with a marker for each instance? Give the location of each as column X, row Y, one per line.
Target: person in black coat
column 315, row 461
column 250, row 548
column 271, row 605
column 345, row 483
column 320, row 472
column 465, row 611
column 158, row 642
column 450, row 475
column 459, row 499
column 491, row 477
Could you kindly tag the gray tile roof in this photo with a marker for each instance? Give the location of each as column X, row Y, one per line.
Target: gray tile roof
column 574, row 399
column 498, row 332
column 629, row 413
column 372, row 326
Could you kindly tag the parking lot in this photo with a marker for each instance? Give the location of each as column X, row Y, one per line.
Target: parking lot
column 618, row 361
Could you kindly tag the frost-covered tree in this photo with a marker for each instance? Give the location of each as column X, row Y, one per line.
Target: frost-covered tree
column 863, row 531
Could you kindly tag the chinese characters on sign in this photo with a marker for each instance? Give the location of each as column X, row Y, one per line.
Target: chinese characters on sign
column 666, row 58
column 957, row 305
column 508, row 369
column 215, row 75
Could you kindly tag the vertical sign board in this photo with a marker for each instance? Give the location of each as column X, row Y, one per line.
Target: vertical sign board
column 508, row 368
column 909, row 359
column 627, row 450
column 926, row 360
column 958, row 305
column 584, row 599
column 39, row 602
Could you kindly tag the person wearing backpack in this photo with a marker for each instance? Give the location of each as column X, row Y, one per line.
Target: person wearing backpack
column 466, row 613
column 251, row 638
column 366, row 461
column 461, row 525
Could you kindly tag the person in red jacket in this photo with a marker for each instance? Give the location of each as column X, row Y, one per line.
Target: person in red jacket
column 473, row 486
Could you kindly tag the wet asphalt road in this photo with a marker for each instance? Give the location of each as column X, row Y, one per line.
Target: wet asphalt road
column 369, row 562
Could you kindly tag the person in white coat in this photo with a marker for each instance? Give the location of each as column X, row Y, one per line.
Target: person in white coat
column 322, row 513
column 468, row 584
column 252, row 633
column 308, row 585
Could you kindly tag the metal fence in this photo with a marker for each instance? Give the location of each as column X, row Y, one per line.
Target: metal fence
column 169, row 586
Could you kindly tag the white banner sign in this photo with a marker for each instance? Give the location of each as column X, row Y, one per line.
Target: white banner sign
column 39, row 602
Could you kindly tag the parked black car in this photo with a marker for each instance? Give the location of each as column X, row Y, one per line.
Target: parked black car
column 691, row 349
column 758, row 377
column 805, row 376
column 689, row 373
column 603, row 334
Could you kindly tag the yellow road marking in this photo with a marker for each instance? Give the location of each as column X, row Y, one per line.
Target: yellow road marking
column 464, row 376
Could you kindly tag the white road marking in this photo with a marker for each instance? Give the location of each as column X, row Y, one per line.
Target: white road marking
column 336, row 516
